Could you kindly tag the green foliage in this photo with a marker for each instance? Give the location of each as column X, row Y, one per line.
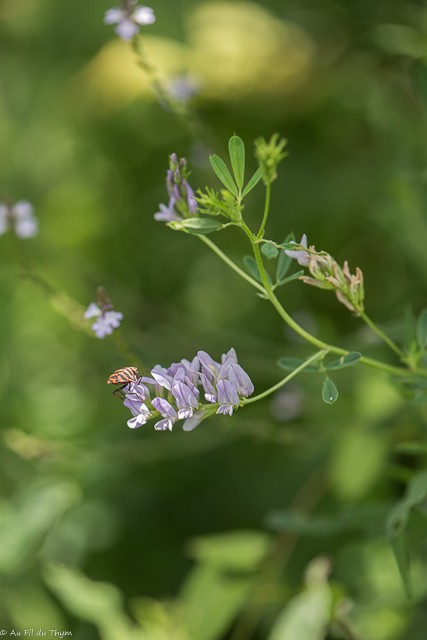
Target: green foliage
column 96, row 519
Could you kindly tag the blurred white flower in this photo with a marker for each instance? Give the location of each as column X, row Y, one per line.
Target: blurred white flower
column 129, row 19
column 19, row 217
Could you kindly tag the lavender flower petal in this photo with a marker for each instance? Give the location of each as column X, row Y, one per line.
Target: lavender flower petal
column 186, row 399
column 164, row 425
column 164, row 408
column 302, row 257
column 227, row 397
column 240, row 380
column 137, row 421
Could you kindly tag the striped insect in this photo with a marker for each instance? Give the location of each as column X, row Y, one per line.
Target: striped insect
column 123, row 377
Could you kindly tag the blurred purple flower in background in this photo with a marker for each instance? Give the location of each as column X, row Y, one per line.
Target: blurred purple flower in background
column 129, row 18
column 106, row 318
column 183, row 87
column 20, row 217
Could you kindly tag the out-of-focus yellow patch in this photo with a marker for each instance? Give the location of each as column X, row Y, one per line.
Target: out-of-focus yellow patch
column 239, row 48
column 114, row 78
column 235, row 50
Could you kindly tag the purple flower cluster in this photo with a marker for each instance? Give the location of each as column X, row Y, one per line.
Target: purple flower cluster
column 19, row 217
column 182, row 203
column 174, row 393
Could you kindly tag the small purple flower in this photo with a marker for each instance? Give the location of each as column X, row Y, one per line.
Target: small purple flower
column 139, row 418
column 167, row 411
column 129, row 18
column 301, row 256
column 182, row 202
column 186, row 399
column 106, row 319
column 167, row 213
column 227, row 397
column 240, row 380
column 20, row 217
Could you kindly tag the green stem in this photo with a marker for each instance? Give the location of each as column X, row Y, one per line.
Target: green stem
column 320, row 344
column 231, row 264
column 260, row 233
column 295, row 372
column 382, row 335
column 179, row 108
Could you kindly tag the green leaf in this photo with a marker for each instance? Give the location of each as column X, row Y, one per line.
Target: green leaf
column 416, row 494
column 236, row 149
column 223, row 173
column 348, row 360
column 329, row 391
column 307, row 615
column 212, row 599
column 25, row 525
column 201, row 225
column 422, row 329
column 240, row 550
column 290, row 364
column 252, row 268
column 294, row 276
column 417, row 489
column 252, row 182
column 97, row 602
column 269, row 250
column 403, row 560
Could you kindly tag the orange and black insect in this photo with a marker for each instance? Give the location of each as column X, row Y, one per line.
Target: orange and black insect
column 124, row 377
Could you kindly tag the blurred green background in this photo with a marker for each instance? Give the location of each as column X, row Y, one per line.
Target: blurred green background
column 114, row 534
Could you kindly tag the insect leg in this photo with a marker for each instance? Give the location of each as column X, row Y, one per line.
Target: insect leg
column 119, row 392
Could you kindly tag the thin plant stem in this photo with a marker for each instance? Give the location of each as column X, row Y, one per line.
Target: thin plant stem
column 178, row 107
column 295, row 372
column 260, row 233
column 382, row 335
column 231, row 264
